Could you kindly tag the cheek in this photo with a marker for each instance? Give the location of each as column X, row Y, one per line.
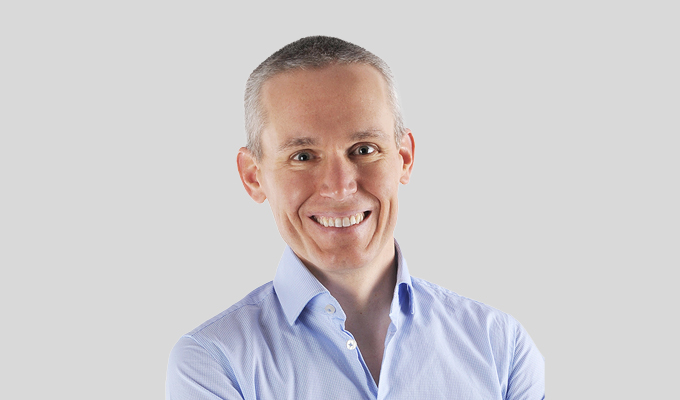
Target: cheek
column 287, row 192
column 383, row 183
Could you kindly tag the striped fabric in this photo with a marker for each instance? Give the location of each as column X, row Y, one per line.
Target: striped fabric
column 286, row 340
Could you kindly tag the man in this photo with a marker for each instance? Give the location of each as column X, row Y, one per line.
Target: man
column 343, row 319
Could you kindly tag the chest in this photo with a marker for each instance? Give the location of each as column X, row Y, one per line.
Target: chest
column 315, row 361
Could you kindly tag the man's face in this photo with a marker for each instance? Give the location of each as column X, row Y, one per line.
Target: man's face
column 330, row 167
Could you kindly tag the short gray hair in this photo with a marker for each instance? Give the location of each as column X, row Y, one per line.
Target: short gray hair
column 310, row 53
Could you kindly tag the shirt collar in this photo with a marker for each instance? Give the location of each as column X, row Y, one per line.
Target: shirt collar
column 295, row 286
column 403, row 299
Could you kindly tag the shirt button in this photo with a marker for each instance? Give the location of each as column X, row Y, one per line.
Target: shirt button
column 351, row 344
column 330, row 309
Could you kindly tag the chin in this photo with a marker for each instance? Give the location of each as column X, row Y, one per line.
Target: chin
column 347, row 257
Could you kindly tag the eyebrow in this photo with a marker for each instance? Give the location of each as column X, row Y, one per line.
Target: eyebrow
column 306, row 141
column 369, row 134
column 297, row 142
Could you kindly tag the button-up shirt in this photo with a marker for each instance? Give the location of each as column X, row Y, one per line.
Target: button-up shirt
column 287, row 340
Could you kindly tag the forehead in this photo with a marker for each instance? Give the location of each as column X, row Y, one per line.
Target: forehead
column 335, row 78
column 337, row 98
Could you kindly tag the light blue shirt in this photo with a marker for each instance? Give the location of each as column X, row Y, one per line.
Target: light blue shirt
column 286, row 340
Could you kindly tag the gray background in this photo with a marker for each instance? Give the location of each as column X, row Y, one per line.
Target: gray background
column 545, row 182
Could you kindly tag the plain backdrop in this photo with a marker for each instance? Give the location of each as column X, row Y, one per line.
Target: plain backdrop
column 546, row 179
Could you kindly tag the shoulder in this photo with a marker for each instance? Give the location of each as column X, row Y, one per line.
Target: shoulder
column 432, row 295
column 217, row 336
column 236, row 321
column 200, row 363
column 464, row 315
column 482, row 327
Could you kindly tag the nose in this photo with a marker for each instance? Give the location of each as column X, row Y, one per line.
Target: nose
column 338, row 178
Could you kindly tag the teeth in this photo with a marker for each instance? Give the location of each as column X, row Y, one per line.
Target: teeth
column 340, row 222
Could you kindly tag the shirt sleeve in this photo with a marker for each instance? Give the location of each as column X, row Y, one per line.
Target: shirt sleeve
column 194, row 373
column 526, row 380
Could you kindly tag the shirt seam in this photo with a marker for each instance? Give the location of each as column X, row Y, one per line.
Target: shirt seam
column 228, row 312
column 514, row 350
column 226, row 357
column 448, row 295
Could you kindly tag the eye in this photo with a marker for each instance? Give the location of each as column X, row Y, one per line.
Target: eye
column 364, row 150
column 302, row 156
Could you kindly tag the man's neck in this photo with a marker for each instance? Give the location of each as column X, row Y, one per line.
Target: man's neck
column 365, row 292
column 365, row 289
column 365, row 295
column 368, row 315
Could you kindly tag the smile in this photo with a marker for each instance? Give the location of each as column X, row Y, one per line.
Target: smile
column 340, row 222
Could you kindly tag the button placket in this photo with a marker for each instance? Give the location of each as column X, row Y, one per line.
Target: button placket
column 330, row 310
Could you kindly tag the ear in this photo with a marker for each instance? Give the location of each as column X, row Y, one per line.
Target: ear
column 248, row 170
column 407, row 151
